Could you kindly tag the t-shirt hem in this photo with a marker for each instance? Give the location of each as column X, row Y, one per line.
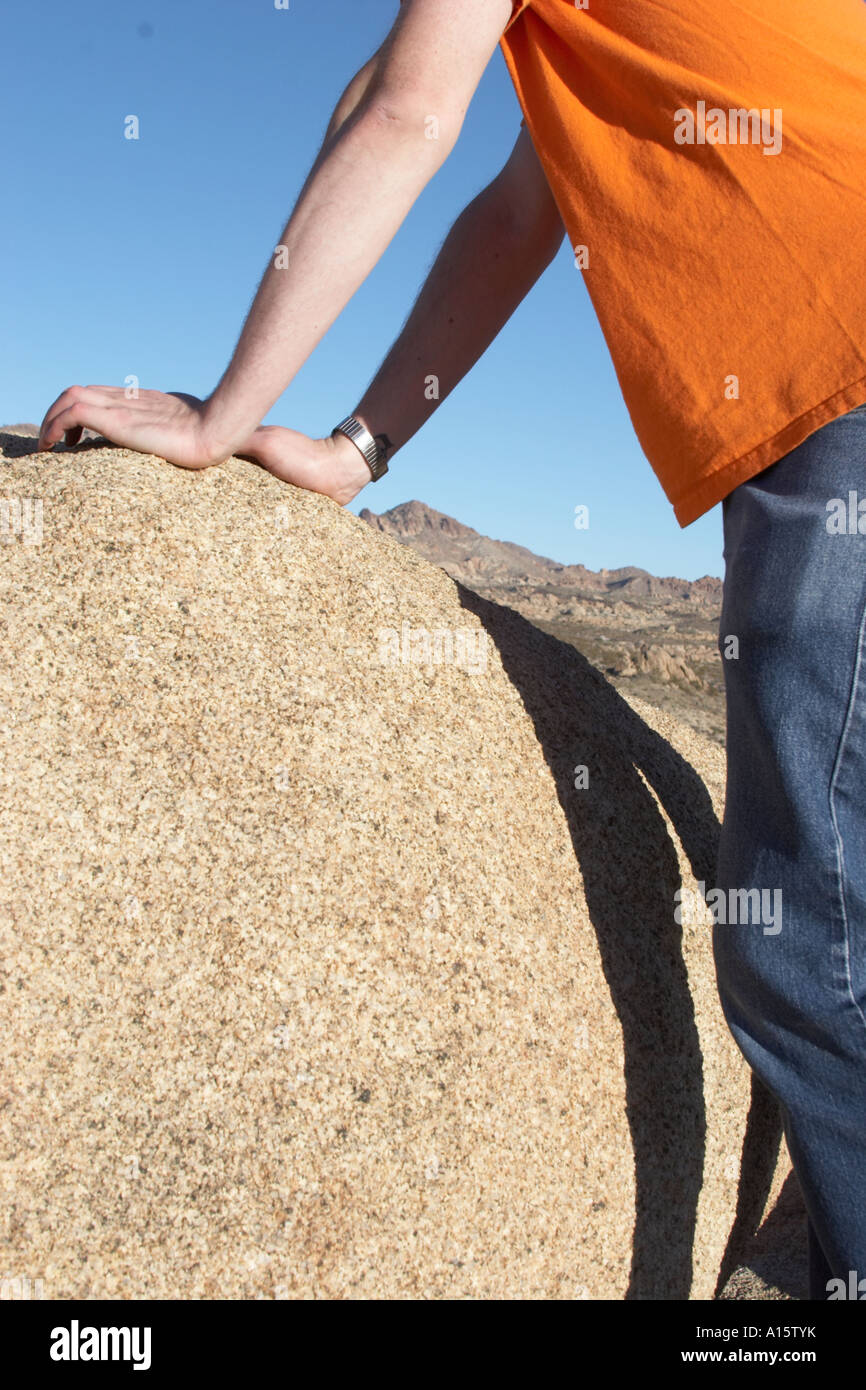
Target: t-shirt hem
column 714, row 487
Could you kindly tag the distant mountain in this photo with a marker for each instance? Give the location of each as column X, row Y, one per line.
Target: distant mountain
column 655, row 637
column 469, row 556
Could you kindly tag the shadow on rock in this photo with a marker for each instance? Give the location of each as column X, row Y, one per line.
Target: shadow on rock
column 629, row 867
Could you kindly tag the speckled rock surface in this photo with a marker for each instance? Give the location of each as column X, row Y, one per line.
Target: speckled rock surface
column 322, row 978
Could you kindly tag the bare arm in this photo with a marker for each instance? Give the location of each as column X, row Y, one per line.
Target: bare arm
column 495, row 252
column 362, row 186
column 354, row 94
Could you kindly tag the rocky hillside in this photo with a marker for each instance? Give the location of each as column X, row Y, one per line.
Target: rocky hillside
column 653, row 637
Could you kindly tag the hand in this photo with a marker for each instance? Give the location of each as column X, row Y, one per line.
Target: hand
column 172, row 425
column 333, row 466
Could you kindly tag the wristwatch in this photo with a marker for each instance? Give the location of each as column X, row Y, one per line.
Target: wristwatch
column 375, row 451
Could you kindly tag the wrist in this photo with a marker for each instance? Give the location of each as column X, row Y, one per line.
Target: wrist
column 351, row 472
column 222, row 433
column 376, row 450
column 373, row 449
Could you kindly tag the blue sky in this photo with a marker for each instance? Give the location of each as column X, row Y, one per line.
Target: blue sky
column 141, row 257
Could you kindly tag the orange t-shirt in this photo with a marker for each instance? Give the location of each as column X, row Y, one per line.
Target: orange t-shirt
column 708, row 156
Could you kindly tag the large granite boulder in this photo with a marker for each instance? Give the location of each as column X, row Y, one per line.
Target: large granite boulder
column 338, row 921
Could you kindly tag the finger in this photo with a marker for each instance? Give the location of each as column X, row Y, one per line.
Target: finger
column 63, row 401
column 109, row 394
column 97, row 395
column 50, row 432
column 83, row 413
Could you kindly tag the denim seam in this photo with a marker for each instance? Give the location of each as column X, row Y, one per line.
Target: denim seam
column 840, row 852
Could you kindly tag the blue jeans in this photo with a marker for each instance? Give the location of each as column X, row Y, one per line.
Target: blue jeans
column 793, row 642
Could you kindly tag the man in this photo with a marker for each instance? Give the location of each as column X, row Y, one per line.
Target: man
column 706, row 161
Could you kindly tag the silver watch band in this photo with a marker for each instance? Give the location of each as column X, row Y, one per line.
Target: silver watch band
column 374, row 452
